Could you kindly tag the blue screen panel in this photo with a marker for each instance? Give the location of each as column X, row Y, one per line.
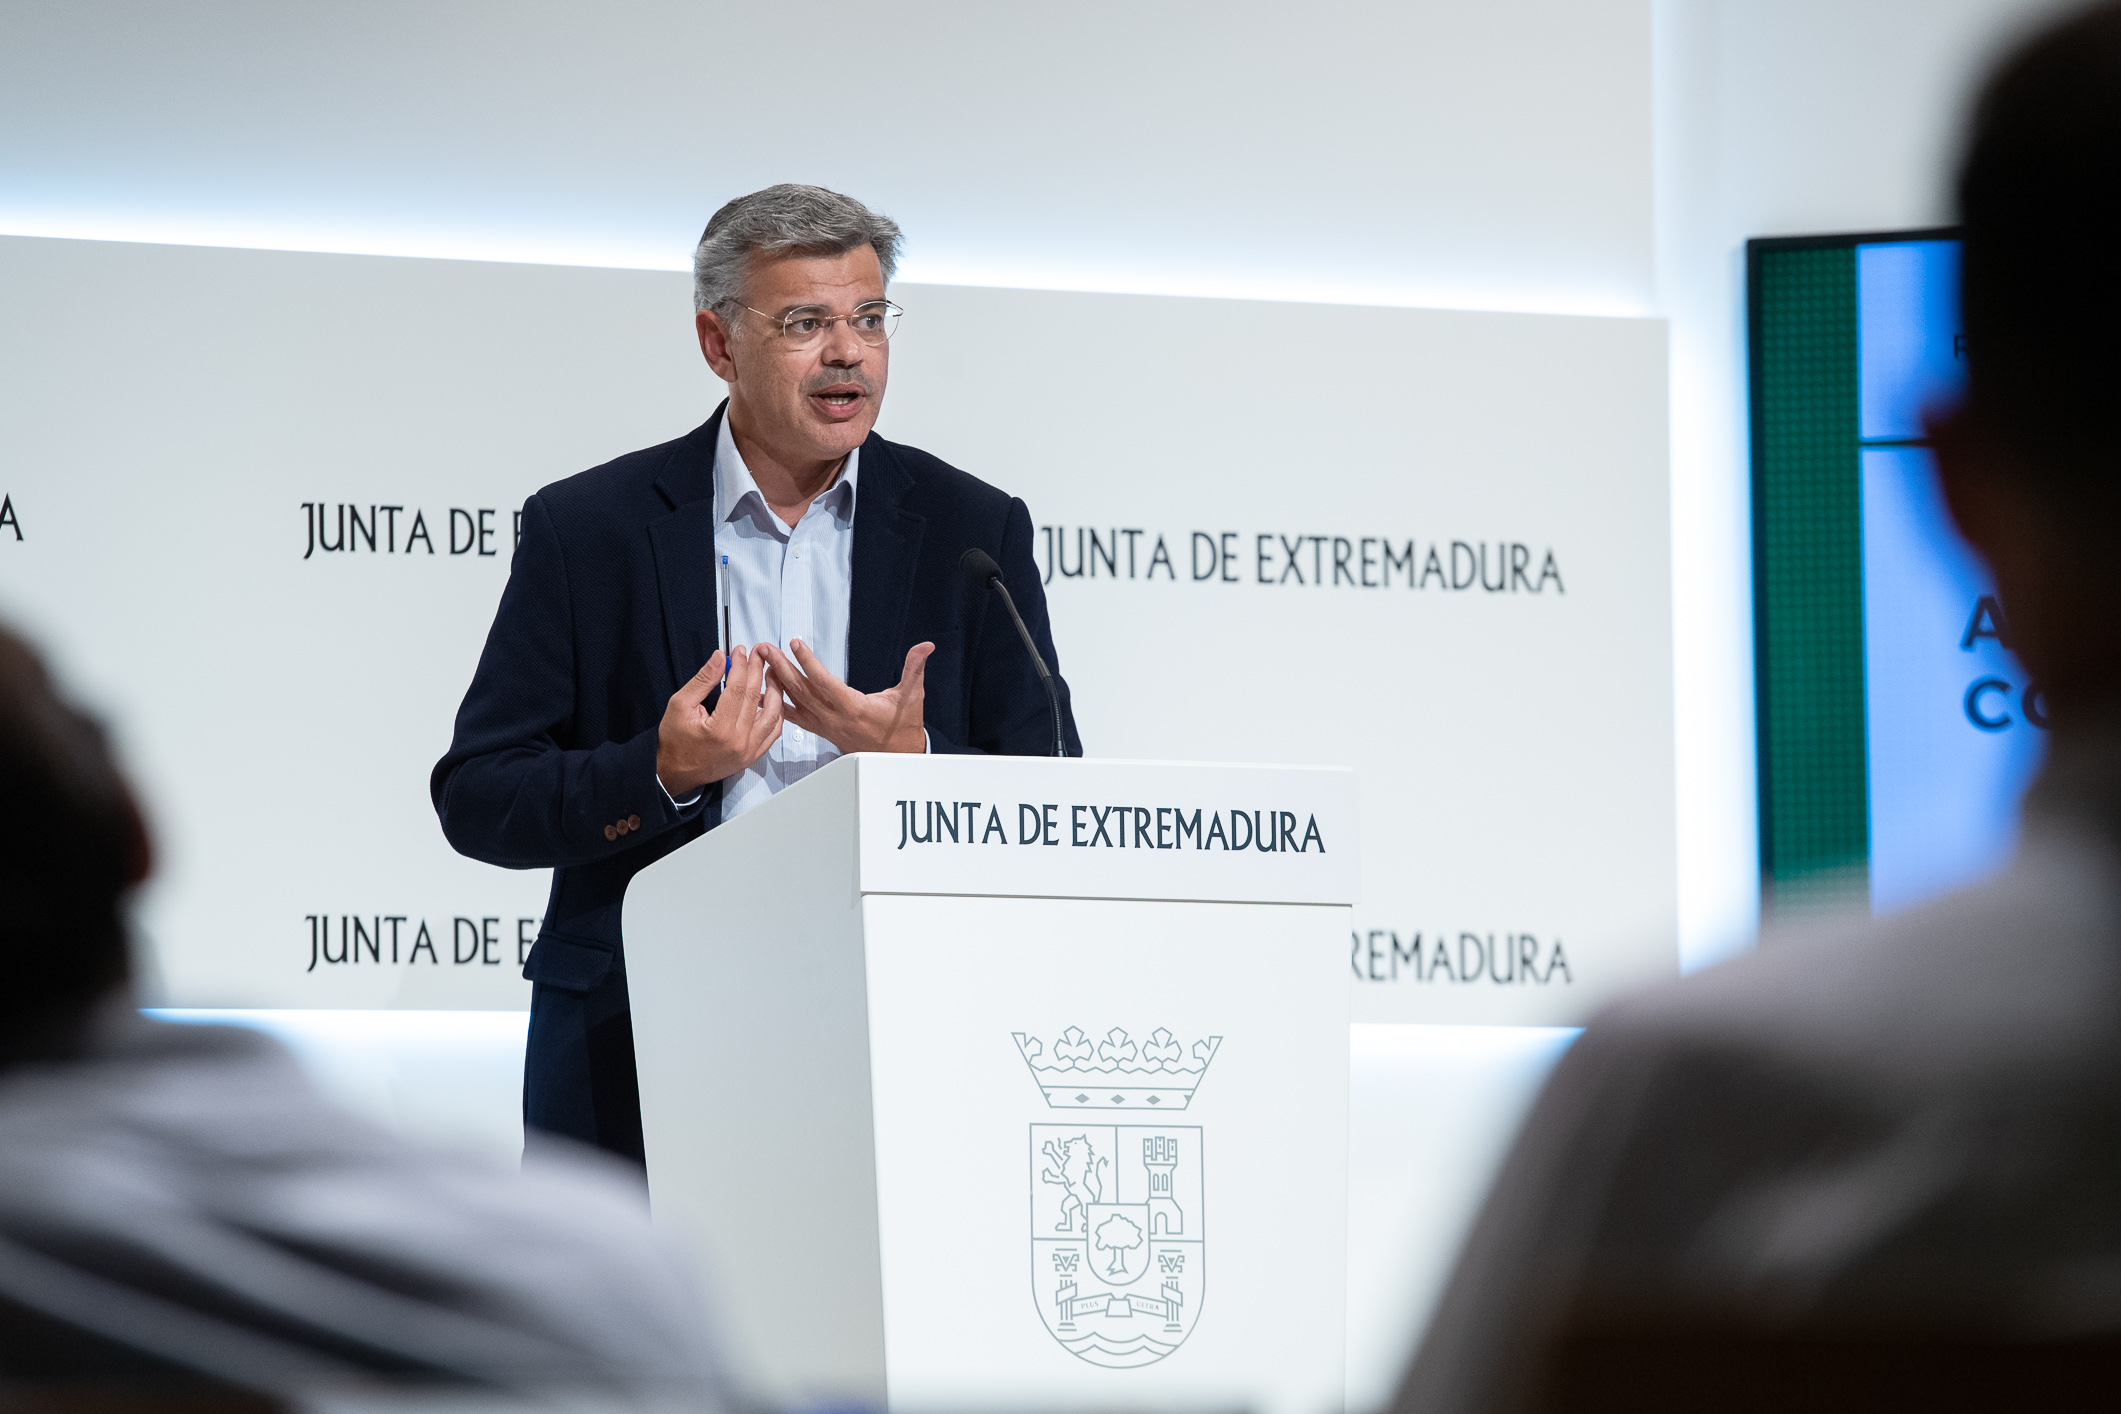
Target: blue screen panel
column 1950, row 747
column 1907, row 314
column 1950, row 739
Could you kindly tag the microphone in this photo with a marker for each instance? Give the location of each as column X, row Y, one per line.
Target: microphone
column 982, row 574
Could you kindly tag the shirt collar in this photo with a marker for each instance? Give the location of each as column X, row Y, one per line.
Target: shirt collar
column 733, row 482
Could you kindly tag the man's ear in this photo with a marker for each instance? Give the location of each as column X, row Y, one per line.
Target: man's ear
column 714, row 343
column 140, row 844
column 2024, row 545
column 1967, row 478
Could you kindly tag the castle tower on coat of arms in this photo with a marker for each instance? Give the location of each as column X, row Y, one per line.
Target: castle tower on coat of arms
column 1160, row 1158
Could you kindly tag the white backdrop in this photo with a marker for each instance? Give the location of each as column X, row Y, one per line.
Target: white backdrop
column 171, row 411
column 1514, row 747
column 180, row 415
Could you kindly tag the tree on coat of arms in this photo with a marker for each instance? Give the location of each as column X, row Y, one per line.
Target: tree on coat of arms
column 1119, row 1236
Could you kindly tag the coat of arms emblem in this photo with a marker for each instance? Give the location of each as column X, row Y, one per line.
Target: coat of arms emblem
column 1118, row 1221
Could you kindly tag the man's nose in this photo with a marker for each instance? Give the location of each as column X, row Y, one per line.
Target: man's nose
column 842, row 349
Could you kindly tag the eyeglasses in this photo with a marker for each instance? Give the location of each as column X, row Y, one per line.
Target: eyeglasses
column 804, row 325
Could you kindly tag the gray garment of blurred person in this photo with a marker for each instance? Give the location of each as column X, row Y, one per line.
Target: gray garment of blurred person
column 184, row 1193
column 1912, row 1123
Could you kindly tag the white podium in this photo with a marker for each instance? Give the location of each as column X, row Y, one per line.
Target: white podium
column 1011, row 1082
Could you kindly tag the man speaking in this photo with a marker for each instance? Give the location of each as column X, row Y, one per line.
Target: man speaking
column 690, row 628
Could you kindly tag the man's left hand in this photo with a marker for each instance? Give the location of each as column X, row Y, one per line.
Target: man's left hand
column 852, row 721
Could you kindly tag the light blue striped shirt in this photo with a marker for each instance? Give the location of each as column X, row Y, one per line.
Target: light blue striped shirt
column 782, row 582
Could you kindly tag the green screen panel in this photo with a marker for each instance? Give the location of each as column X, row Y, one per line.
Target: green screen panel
column 1808, row 577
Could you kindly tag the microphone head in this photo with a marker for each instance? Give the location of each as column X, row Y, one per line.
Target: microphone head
column 979, row 569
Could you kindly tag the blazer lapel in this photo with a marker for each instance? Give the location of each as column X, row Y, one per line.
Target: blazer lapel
column 887, row 545
column 683, row 549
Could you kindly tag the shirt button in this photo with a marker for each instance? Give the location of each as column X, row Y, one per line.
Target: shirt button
column 798, row 736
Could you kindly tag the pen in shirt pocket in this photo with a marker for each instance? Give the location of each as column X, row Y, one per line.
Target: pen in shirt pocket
column 728, row 648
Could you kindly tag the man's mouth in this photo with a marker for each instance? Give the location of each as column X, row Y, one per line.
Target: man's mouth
column 841, row 399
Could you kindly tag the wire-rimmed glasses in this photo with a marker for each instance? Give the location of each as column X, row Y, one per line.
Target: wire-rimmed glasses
column 804, row 325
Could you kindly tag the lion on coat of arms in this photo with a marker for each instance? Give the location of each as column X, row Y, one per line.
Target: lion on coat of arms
column 1079, row 1168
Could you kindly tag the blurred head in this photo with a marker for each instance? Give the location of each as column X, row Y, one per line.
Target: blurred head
column 2029, row 459
column 769, row 267
column 72, row 846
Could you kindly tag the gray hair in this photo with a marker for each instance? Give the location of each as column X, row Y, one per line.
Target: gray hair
column 789, row 219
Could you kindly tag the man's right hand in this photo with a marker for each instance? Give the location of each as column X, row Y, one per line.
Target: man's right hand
column 694, row 746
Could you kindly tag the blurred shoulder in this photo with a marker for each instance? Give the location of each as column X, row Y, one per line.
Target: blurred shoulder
column 175, row 1155
column 2020, row 969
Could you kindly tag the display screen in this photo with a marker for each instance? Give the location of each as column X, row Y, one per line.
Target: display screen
column 1896, row 731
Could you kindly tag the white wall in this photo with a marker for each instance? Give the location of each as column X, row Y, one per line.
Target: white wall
column 1422, row 152
column 1431, row 1113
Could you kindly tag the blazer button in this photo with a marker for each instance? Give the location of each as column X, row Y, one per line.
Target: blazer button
column 611, row 832
column 633, row 822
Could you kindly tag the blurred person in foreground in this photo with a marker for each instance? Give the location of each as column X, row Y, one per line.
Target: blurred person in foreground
column 1880, row 1165
column 179, row 1206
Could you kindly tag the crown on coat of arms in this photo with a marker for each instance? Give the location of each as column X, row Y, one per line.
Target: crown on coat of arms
column 1117, row 1073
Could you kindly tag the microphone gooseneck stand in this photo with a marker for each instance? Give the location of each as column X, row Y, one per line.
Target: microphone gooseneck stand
column 983, row 573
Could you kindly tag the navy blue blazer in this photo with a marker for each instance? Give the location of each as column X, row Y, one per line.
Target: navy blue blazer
column 611, row 604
